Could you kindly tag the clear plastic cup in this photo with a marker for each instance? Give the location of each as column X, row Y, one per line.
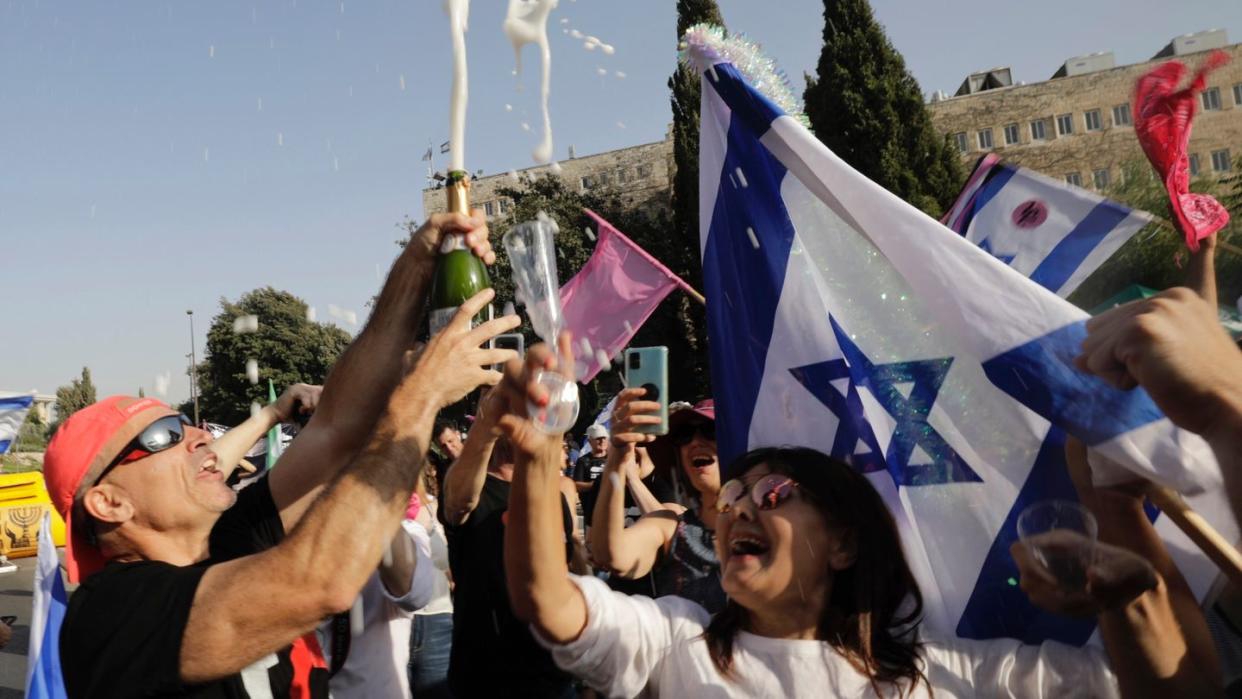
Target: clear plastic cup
column 532, row 255
column 1061, row 535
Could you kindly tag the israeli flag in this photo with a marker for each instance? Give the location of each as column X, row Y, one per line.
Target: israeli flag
column 43, row 671
column 13, row 409
column 843, row 319
column 1051, row 231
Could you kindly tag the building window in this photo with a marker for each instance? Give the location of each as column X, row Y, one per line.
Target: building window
column 1100, row 178
column 1221, row 161
column 1039, row 131
column 1074, row 178
column 588, row 182
column 1065, row 124
column 1121, row 115
column 960, row 139
column 623, row 175
column 503, row 205
column 605, row 179
column 1211, row 99
column 1237, row 95
column 644, row 171
column 1093, row 121
column 1195, row 168
column 489, row 208
column 1011, row 134
column 985, row 139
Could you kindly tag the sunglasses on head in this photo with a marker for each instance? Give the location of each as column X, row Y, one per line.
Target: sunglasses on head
column 766, row 493
column 684, row 434
column 160, row 435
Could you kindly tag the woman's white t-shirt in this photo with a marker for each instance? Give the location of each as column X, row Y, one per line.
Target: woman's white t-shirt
column 635, row 645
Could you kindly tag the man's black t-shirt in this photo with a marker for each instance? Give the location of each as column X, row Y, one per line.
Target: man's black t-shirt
column 493, row 653
column 589, row 467
column 124, row 626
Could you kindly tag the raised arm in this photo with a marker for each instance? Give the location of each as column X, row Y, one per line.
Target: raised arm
column 642, row 495
column 250, row 607
column 632, row 551
column 465, row 477
column 1153, row 630
column 232, row 446
column 540, row 590
column 366, row 373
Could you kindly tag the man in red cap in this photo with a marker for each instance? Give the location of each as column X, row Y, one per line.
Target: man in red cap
column 191, row 590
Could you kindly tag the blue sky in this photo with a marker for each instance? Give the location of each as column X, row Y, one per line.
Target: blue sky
column 158, row 156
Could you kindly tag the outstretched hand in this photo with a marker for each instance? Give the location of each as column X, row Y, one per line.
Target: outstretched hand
column 1115, row 577
column 298, row 399
column 455, row 361
column 520, row 386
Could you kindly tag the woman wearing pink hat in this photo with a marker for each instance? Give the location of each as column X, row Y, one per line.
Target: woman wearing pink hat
column 675, row 543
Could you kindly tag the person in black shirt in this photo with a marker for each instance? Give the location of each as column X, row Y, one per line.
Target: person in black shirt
column 203, row 597
column 493, row 653
column 591, row 464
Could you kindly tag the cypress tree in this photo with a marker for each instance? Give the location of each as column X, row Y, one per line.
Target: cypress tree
column 685, row 95
column 867, row 107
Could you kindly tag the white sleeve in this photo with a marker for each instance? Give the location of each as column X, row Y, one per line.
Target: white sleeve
column 1008, row 668
column 626, row 638
column 422, row 582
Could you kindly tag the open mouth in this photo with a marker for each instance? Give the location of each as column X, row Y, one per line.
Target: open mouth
column 208, row 469
column 745, row 545
column 702, row 462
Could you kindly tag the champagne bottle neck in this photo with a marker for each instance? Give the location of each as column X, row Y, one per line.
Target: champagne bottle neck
column 458, row 193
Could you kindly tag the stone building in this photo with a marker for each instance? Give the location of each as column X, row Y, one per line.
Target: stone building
column 1078, row 124
column 639, row 173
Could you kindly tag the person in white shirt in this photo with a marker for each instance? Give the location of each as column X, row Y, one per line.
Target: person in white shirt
column 431, row 637
column 822, row 601
column 375, row 660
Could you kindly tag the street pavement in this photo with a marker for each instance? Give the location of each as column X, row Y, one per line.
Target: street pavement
column 16, row 598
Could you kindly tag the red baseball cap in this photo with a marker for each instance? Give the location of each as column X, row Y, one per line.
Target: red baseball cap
column 83, row 446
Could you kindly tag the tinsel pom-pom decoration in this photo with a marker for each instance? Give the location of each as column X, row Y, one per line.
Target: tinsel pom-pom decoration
column 705, row 45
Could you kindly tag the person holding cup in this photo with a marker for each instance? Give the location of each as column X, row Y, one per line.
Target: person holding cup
column 822, row 600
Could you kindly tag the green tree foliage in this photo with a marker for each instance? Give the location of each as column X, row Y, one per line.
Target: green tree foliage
column 867, row 107
column 1156, row 257
column 647, row 223
column 683, row 254
column 288, row 348
column 32, row 436
column 74, row 396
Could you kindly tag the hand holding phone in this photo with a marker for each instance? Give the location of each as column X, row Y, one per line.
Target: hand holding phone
column 647, row 367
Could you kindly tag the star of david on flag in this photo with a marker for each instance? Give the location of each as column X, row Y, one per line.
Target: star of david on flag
column 843, row 319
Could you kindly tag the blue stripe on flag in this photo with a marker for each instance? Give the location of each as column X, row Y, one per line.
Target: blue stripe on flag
column 1041, row 375
column 15, row 402
column 4, row 445
column 1060, row 264
column 743, row 284
column 46, row 682
column 756, row 110
column 997, row 179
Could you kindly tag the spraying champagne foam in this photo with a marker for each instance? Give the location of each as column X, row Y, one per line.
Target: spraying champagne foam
column 459, row 15
column 527, row 23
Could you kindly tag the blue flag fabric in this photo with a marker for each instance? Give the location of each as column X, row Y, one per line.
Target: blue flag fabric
column 43, row 673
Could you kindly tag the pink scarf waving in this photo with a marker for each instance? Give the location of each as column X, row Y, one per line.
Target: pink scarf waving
column 1162, row 124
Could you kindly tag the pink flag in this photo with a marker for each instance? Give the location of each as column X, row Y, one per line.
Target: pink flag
column 1162, row 124
column 610, row 298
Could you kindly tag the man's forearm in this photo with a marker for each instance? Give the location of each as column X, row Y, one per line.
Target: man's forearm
column 467, row 474
column 232, row 446
column 361, row 510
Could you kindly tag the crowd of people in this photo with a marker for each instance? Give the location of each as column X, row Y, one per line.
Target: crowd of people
column 388, row 555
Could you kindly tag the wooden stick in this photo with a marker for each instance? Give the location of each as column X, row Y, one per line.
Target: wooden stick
column 1221, row 552
column 694, row 295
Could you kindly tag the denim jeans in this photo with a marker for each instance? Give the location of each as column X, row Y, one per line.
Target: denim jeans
column 431, row 641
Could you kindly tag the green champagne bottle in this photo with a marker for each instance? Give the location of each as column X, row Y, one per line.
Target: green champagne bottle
column 459, row 274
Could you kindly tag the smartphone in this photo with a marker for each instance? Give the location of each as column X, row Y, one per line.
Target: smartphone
column 513, row 341
column 647, row 367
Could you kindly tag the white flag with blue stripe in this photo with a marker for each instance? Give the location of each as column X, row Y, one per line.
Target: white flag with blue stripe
column 843, row 319
column 13, row 410
column 44, row 679
column 1051, row 231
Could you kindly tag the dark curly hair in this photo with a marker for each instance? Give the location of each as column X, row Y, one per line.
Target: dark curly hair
column 874, row 607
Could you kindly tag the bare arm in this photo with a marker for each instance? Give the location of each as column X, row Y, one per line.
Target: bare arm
column 639, row 491
column 538, row 579
column 249, row 607
column 400, row 561
column 465, row 478
column 232, row 446
column 366, row 373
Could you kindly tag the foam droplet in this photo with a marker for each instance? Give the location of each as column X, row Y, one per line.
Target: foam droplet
column 601, row 357
column 590, row 234
column 741, row 177
column 556, row 168
column 620, row 124
column 620, row 74
column 508, row 107
column 576, row 34
column 311, row 314
column 525, row 126
column 211, row 51
column 402, row 79
column 608, row 49
column 255, row 409
column 601, row 71
column 280, row 139
column 252, row 371
column 754, row 240
column 357, row 622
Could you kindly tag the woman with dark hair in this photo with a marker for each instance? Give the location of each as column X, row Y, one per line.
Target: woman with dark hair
column 822, row 601
column 676, row 542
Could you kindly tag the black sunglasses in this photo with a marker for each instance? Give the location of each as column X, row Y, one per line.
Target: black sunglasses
column 684, row 434
column 160, row 435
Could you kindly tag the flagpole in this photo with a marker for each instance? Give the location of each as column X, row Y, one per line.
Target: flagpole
column 1224, row 554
